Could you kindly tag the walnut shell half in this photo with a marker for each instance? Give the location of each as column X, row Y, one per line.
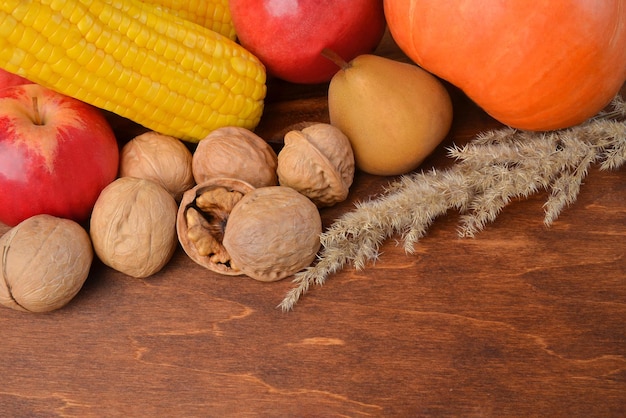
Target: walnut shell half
column 272, row 233
column 318, row 162
column 44, row 262
column 202, row 217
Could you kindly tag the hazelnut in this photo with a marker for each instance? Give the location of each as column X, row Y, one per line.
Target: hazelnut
column 202, row 216
column 273, row 232
column 238, row 153
column 45, row 262
column 317, row 162
column 133, row 226
column 160, row 158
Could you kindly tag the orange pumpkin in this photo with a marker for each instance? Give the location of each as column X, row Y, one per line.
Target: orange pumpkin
column 535, row 65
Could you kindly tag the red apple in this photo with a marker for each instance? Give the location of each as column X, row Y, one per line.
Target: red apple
column 288, row 36
column 8, row 79
column 56, row 154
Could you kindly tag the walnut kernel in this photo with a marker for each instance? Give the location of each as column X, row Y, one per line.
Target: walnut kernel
column 202, row 217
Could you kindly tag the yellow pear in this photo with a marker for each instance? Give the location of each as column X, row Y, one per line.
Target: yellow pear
column 394, row 113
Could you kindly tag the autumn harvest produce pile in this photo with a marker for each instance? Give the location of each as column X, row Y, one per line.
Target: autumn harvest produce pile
column 202, row 179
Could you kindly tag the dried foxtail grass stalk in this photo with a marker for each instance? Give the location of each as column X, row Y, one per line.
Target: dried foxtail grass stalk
column 490, row 171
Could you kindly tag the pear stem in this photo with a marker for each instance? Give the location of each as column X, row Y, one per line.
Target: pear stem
column 37, row 120
column 336, row 58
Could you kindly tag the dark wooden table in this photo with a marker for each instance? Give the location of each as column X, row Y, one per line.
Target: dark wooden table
column 521, row 320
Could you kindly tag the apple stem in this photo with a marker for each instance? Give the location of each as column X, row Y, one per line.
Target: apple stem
column 38, row 120
column 336, row 58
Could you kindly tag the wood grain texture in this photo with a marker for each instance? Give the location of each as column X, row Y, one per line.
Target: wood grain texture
column 521, row 320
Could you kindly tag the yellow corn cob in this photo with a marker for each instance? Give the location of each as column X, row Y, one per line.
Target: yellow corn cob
column 212, row 14
column 161, row 71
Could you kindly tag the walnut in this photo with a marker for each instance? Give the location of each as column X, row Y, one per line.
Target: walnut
column 160, row 158
column 133, row 226
column 238, row 153
column 45, row 262
column 202, row 216
column 318, row 162
column 272, row 233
